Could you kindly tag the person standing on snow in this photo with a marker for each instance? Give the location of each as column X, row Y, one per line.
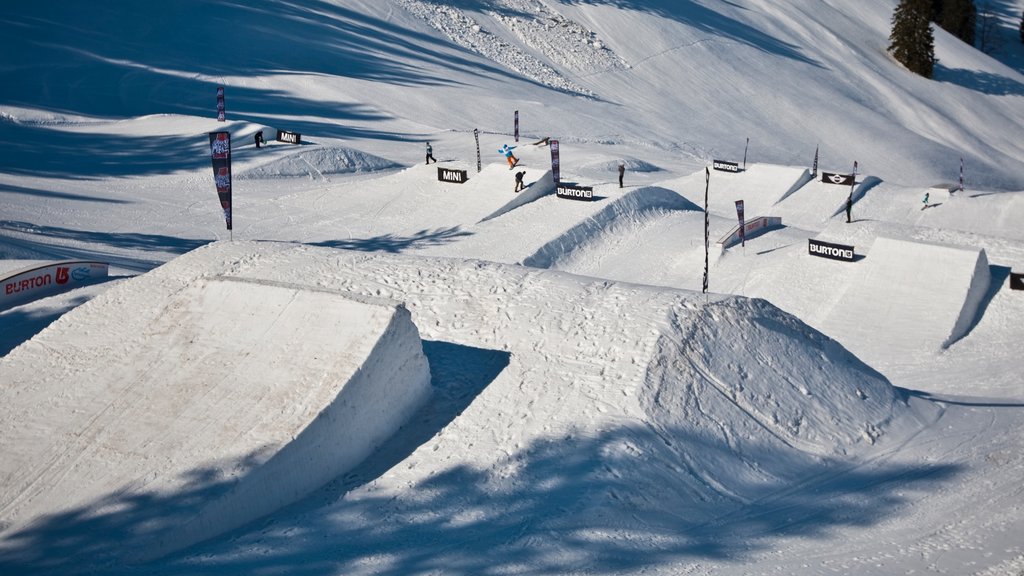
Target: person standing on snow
column 849, row 207
column 430, row 154
column 622, row 170
column 925, row 201
column 259, row 138
column 519, row 181
column 507, row 151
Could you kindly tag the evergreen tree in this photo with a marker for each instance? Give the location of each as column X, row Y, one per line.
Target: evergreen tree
column 912, row 41
column 959, row 18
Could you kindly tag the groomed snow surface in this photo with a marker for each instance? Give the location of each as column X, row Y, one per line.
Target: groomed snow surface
column 380, row 371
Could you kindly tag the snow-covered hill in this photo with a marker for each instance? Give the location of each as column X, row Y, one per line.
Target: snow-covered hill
column 227, row 402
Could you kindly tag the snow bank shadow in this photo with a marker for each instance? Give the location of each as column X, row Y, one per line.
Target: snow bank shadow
column 604, row 503
column 80, row 540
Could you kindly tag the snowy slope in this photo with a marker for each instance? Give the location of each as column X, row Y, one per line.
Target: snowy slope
column 591, row 412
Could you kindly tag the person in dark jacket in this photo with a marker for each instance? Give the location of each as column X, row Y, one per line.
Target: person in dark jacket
column 519, row 180
column 259, row 139
column 430, row 154
column 849, row 207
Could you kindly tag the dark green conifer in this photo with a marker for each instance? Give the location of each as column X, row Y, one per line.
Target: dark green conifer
column 912, row 41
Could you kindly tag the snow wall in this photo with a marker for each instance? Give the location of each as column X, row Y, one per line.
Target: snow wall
column 259, row 392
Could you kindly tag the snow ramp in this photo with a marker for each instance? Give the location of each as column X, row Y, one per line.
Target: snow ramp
column 760, row 187
column 236, row 396
column 776, row 396
column 910, row 298
column 812, row 205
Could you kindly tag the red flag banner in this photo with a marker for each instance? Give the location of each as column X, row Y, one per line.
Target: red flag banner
column 739, row 216
column 553, row 144
column 220, row 152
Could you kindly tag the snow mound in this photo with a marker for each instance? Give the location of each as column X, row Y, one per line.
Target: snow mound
column 319, row 162
column 926, row 296
column 741, row 373
column 631, row 164
column 260, row 392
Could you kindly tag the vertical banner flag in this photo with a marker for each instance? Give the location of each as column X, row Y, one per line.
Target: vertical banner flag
column 220, row 103
column 220, row 151
column 517, row 125
column 739, row 216
column 747, row 145
column 554, row 161
column 961, row 173
column 707, row 184
column 814, row 167
column 853, row 181
column 476, row 135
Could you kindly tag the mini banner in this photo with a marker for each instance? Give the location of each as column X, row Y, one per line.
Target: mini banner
column 289, row 137
column 220, row 152
column 220, row 103
column 554, row 161
column 839, row 179
column 1016, row 281
column 828, row 250
column 449, row 175
column 814, row 167
column 739, row 216
column 517, row 126
column 570, row 192
column 725, row 166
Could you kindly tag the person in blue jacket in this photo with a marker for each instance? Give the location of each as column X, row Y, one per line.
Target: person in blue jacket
column 507, row 151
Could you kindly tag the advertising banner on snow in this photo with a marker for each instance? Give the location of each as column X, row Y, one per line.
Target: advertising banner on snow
column 739, row 216
column 1016, row 281
column 449, row 175
column 517, row 126
column 220, row 103
column 479, row 162
column 838, row 179
column 829, row 250
column 289, row 137
column 723, row 166
column 38, row 282
column 220, row 153
column 554, row 160
column 571, row 192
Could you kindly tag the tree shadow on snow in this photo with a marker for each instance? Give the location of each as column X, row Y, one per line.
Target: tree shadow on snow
column 622, row 499
column 979, row 81
column 394, row 244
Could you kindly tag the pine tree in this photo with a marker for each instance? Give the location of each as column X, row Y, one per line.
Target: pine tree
column 959, row 18
column 912, row 41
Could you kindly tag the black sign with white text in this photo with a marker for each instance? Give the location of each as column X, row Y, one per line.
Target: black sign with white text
column 829, row 250
column 840, row 179
column 1016, row 281
column 289, row 137
column 726, row 166
column 449, row 175
column 570, row 192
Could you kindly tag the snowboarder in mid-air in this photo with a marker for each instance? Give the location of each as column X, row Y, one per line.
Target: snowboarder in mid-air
column 519, row 180
column 507, row 151
column 430, row 154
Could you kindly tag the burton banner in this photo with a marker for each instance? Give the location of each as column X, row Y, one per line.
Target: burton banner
column 220, row 103
column 554, row 161
column 220, row 152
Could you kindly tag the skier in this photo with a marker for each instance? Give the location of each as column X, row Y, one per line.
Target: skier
column 430, row 154
column 622, row 170
column 259, row 138
column 519, row 181
column 849, row 207
column 507, row 151
column 925, row 201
